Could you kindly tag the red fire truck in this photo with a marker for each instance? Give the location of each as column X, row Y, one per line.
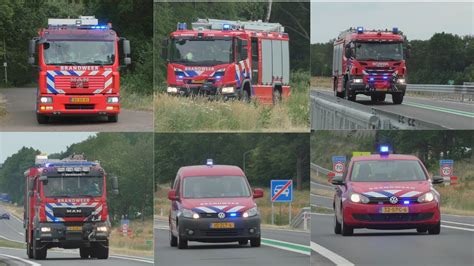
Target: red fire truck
column 370, row 62
column 231, row 59
column 78, row 63
column 65, row 206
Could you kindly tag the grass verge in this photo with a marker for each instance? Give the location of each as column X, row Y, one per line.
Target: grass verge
column 140, row 243
column 3, row 106
column 135, row 101
column 321, row 82
column 10, row 244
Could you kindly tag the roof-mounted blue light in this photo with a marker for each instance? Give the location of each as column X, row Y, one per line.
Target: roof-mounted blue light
column 360, row 29
column 226, row 27
column 395, row 30
column 182, row 26
column 384, row 150
column 210, row 162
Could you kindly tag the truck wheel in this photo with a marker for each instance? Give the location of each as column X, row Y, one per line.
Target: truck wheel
column 245, row 96
column 345, row 229
column 112, row 118
column 276, row 96
column 84, row 253
column 243, row 242
column 101, row 250
column 39, row 253
column 255, row 242
column 173, row 240
column 435, row 230
column 347, row 93
column 397, row 98
column 337, row 226
column 42, row 119
column 29, row 250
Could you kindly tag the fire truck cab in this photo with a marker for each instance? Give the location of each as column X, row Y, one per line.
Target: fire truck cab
column 65, row 206
column 230, row 59
column 370, row 62
column 78, row 64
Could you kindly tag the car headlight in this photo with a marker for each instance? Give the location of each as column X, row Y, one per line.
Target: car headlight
column 358, row 198
column 102, row 229
column 357, row 81
column 250, row 212
column 112, row 99
column 172, row 90
column 427, row 197
column 190, row 214
column 401, row 81
column 228, row 90
column 46, row 99
column 45, row 229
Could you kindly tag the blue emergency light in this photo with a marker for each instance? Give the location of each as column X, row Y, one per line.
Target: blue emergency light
column 384, row 150
column 395, row 30
column 226, row 27
column 182, row 25
column 385, row 77
column 210, row 162
column 406, row 202
column 371, row 79
column 233, row 214
column 360, row 29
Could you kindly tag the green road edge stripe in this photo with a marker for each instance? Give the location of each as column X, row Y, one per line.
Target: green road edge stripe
column 442, row 109
column 287, row 245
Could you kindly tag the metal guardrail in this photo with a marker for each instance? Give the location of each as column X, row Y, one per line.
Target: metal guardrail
column 319, row 169
column 300, row 218
column 459, row 89
column 329, row 112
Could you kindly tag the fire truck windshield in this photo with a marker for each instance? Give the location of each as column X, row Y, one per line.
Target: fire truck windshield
column 378, row 51
column 73, row 186
column 79, row 52
column 387, row 171
column 205, row 52
column 215, row 187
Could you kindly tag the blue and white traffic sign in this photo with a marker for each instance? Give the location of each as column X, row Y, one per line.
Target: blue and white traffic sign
column 446, row 168
column 339, row 164
column 281, row 190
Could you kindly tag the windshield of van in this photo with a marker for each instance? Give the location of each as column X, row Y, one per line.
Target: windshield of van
column 215, row 187
column 387, row 171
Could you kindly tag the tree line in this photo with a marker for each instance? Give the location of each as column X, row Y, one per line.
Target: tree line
column 21, row 19
column 443, row 58
column 129, row 156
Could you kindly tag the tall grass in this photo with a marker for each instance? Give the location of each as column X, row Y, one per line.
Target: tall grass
column 3, row 107
column 140, row 243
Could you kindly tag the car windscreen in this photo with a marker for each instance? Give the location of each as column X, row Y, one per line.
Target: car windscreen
column 74, row 186
column 79, row 52
column 379, row 51
column 387, row 171
column 215, row 187
column 201, row 51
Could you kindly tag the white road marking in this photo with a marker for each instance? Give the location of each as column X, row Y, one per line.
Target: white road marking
column 9, row 239
column 20, row 259
column 151, row 261
column 314, row 195
column 458, row 228
column 444, row 221
column 338, row 260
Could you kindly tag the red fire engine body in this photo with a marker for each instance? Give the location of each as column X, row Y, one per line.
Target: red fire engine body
column 66, row 206
column 230, row 59
column 370, row 63
column 78, row 62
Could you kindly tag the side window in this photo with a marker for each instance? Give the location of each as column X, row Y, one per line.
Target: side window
column 254, row 60
column 177, row 185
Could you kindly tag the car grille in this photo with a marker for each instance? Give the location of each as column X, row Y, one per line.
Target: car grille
column 223, row 232
column 214, row 215
column 393, row 217
column 387, row 200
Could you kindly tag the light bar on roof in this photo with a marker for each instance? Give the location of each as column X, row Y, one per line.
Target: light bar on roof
column 81, row 21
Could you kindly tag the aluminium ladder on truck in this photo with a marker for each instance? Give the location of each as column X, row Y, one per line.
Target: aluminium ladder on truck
column 217, row 24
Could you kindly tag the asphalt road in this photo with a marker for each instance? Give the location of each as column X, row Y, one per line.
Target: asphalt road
column 13, row 230
column 454, row 246
column 449, row 114
column 21, row 117
column 210, row 254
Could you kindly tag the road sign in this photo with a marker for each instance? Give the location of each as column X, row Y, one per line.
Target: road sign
column 281, row 190
column 339, row 165
column 125, row 227
column 446, row 168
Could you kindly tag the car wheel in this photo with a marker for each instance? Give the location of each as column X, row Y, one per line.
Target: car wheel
column 173, row 240
column 337, row 226
column 435, row 230
column 182, row 242
column 255, row 242
column 345, row 229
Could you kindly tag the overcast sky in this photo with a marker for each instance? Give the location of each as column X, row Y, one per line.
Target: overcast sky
column 52, row 142
column 419, row 21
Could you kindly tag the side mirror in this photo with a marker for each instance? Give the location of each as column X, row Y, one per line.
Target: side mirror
column 407, row 51
column 127, row 60
column 126, row 48
column 115, row 189
column 257, row 193
column 337, row 180
column 331, row 175
column 31, row 60
column 437, row 179
column 164, row 49
column 172, row 195
column 32, row 48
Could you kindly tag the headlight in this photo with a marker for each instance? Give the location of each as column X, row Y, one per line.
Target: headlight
column 190, row 214
column 401, row 81
column 172, row 90
column 46, row 99
column 427, row 197
column 228, row 90
column 357, row 81
column 250, row 212
column 112, row 99
column 357, row 198
column 102, row 229
column 45, row 229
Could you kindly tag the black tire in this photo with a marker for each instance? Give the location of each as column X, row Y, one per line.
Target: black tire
column 42, row 119
column 173, row 240
column 347, row 93
column 397, row 98
column 337, row 226
column 112, row 118
column 345, row 229
column 381, row 97
column 255, row 242
column 245, row 96
column 100, row 250
column 29, row 250
column 276, row 98
column 39, row 253
column 421, row 229
column 243, row 242
column 182, row 242
column 336, row 93
column 84, row 253
column 435, row 230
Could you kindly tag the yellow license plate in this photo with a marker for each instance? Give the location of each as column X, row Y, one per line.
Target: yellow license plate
column 74, row 228
column 198, row 81
column 222, row 225
column 80, row 100
column 394, row 210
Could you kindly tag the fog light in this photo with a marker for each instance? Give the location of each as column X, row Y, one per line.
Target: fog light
column 102, row 229
column 172, row 90
column 109, row 108
column 252, row 230
column 357, row 81
column 49, row 108
column 45, row 229
column 401, row 81
column 228, row 90
column 112, row 99
column 190, row 232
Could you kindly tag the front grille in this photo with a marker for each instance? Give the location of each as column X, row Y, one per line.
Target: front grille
column 223, row 232
column 73, row 212
column 393, row 217
column 83, row 82
column 214, row 215
column 79, row 106
column 387, row 200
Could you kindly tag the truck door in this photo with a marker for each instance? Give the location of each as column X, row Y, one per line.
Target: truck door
column 255, row 55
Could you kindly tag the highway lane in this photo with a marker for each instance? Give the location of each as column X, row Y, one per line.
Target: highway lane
column 11, row 229
column 21, row 117
column 449, row 114
column 217, row 254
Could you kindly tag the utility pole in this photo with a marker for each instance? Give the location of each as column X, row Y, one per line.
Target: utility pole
column 243, row 158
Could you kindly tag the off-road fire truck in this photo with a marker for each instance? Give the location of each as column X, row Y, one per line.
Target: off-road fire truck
column 78, row 63
column 65, row 206
column 370, row 62
column 231, row 59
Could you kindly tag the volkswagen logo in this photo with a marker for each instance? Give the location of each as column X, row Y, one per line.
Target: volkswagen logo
column 221, row 215
column 393, row 200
